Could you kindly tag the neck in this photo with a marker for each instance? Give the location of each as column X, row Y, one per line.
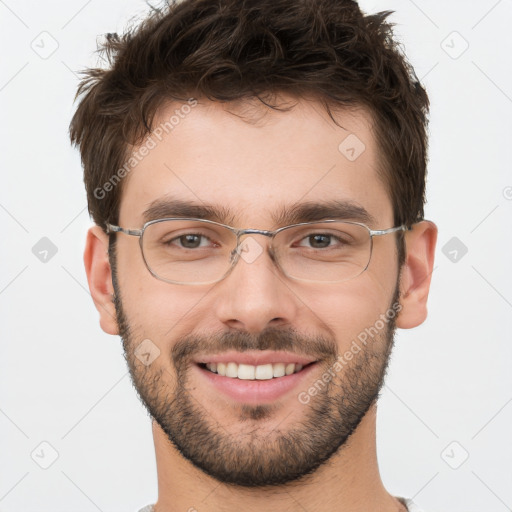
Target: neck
column 348, row 482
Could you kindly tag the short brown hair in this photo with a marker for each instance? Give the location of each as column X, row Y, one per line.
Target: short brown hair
column 227, row 50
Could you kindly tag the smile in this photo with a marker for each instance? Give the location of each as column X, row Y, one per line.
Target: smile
column 251, row 372
column 254, row 384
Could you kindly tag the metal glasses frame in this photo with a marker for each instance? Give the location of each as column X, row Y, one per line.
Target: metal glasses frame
column 112, row 228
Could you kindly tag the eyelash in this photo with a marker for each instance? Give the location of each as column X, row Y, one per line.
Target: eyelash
column 332, row 236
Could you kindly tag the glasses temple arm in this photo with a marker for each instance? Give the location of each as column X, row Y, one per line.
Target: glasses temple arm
column 112, row 228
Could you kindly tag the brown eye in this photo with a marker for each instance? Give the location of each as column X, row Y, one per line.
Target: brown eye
column 319, row 241
column 189, row 241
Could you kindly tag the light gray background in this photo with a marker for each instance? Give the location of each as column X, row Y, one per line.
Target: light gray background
column 64, row 382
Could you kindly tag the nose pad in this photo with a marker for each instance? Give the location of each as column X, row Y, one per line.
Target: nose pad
column 249, row 250
column 234, row 255
column 273, row 255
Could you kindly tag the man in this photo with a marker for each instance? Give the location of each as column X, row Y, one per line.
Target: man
column 256, row 174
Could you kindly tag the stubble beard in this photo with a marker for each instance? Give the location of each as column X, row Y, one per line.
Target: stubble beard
column 256, row 457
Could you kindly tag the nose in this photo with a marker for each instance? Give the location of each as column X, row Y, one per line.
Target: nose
column 255, row 294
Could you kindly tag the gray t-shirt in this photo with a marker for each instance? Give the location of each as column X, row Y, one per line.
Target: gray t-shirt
column 411, row 506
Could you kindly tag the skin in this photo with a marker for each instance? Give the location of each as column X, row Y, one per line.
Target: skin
column 213, row 156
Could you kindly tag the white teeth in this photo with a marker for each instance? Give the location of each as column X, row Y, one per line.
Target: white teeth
column 231, row 370
column 221, row 369
column 246, row 371
column 264, row 372
column 279, row 370
column 250, row 372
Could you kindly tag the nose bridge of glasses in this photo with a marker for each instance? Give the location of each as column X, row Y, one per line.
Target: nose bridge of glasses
column 250, row 249
column 264, row 232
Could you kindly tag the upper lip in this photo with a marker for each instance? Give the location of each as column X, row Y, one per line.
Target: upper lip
column 255, row 358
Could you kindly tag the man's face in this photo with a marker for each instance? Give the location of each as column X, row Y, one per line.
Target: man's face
column 213, row 157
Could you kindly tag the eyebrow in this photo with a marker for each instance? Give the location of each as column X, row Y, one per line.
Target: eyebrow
column 309, row 211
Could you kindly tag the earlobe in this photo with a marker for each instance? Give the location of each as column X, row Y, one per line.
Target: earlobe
column 99, row 277
column 416, row 274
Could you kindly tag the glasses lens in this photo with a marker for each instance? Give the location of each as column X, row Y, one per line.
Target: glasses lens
column 195, row 252
column 185, row 251
column 324, row 251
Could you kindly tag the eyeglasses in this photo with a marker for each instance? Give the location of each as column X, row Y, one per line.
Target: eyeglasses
column 198, row 251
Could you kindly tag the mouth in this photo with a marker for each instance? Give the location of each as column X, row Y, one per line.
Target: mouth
column 251, row 372
column 252, row 384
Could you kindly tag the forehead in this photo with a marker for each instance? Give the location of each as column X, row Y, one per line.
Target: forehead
column 244, row 164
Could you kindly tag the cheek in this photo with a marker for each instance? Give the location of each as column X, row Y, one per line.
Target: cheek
column 153, row 307
column 160, row 311
column 347, row 309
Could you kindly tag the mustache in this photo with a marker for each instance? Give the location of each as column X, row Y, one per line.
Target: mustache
column 272, row 338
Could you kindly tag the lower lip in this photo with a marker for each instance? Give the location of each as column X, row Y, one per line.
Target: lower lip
column 256, row 391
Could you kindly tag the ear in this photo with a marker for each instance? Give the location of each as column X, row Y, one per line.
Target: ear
column 420, row 244
column 99, row 277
